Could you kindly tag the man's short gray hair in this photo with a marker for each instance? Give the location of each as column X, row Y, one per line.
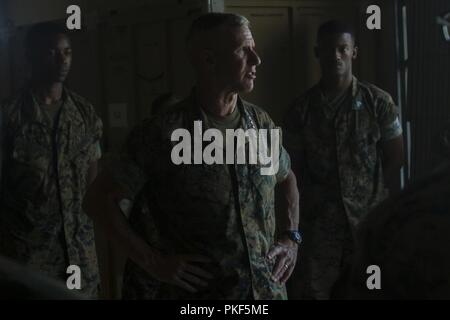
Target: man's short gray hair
column 210, row 21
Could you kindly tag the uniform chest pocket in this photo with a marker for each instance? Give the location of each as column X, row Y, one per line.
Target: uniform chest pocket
column 364, row 144
column 318, row 144
column 80, row 147
column 366, row 136
column 207, row 182
column 82, row 153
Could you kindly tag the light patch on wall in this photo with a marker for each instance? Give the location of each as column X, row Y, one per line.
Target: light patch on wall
column 445, row 22
column 118, row 115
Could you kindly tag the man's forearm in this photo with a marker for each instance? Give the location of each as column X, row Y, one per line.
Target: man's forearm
column 391, row 174
column 291, row 213
column 102, row 206
column 393, row 160
column 121, row 233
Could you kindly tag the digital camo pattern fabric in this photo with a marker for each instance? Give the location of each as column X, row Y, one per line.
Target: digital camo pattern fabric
column 43, row 183
column 335, row 153
column 225, row 214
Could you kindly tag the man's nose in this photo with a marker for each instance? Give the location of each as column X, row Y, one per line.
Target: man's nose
column 62, row 58
column 337, row 54
column 255, row 59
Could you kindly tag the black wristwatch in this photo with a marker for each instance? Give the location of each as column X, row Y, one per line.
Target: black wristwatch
column 293, row 235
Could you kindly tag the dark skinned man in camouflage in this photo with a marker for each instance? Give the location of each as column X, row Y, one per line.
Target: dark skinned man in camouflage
column 50, row 147
column 345, row 141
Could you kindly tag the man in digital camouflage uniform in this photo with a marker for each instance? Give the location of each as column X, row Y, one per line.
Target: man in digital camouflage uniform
column 210, row 230
column 345, row 142
column 50, row 150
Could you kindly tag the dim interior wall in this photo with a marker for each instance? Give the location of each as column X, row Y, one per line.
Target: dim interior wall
column 143, row 57
column 5, row 70
column 428, row 95
column 25, row 12
column 386, row 66
column 378, row 48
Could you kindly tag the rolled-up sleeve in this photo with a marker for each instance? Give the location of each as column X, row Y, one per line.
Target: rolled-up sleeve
column 389, row 121
column 133, row 168
column 96, row 149
column 284, row 161
column 285, row 165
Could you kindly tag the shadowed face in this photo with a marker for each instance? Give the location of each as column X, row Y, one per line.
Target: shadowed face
column 336, row 53
column 236, row 59
column 52, row 59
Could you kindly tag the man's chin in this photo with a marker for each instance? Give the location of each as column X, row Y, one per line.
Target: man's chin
column 247, row 87
column 59, row 79
column 334, row 73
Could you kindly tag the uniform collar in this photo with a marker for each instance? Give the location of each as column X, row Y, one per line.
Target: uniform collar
column 31, row 106
column 329, row 109
column 247, row 121
column 357, row 103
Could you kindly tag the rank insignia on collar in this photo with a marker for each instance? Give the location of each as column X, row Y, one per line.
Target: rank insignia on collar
column 357, row 105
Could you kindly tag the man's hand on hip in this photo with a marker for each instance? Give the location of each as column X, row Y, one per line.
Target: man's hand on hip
column 180, row 270
column 285, row 253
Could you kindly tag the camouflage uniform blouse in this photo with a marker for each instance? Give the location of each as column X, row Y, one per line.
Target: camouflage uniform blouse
column 225, row 215
column 336, row 149
column 44, row 180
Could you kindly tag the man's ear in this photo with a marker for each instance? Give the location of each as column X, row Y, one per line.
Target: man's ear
column 355, row 52
column 209, row 59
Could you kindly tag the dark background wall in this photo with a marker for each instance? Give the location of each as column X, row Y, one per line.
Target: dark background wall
column 428, row 95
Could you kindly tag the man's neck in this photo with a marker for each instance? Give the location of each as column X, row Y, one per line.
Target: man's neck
column 336, row 86
column 219, row 103
column 48, row 93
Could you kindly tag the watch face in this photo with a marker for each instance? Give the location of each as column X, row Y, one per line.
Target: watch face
column 295, row 235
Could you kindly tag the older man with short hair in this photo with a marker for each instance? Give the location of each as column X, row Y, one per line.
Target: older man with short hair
column 210, row 229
